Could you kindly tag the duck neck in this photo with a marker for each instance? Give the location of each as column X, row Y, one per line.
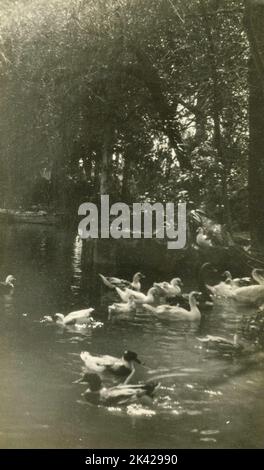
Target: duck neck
column 127, row 364
column 175, row 285
column 193, row 302
column 202, row 282
column 131, row 374
column 257, row 277
column 195, row 313
column 150, row 294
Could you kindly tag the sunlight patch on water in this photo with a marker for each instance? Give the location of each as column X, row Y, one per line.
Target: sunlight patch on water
column 208, row 439
column 213, row 393
column 136, row 410
column 209, row 432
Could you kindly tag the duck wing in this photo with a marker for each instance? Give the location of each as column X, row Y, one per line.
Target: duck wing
column 176, row 310
column 138, row 295
column 97, row 362
column 222, row 289
column 250, row 294
column 147, row 388
column 119, row 396
column 118, row 368
column 123, row 294
column 113, row 282
column 220, row 344
column 78, row 316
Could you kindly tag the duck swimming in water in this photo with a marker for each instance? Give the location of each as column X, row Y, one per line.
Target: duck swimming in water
column 202, row 240
column 123, row 394
column 113, row 282
column 237, row 282
column 78, row 317
column 139, row 298
column 257, row 275
column 250, row 295
column 122, row 309
column 222, row 345
column 170, row 289
column 7, row 286
column 173, row 312
column 223, row 289
column 120, row 367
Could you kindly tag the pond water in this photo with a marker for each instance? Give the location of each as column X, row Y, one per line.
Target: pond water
column 204, row 402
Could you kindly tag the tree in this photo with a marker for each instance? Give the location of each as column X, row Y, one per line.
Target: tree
column 254, row 20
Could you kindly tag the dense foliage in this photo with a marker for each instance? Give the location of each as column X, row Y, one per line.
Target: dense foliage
column 141, row 99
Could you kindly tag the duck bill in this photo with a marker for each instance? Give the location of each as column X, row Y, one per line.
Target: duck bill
column 139, row 362
column 78, row 381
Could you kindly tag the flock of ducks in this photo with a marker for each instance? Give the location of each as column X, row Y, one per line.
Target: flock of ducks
column 165, row 301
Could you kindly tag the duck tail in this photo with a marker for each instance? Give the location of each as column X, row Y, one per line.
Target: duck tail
column 106, row 282
column 85, row 356
column 211, row 289
column 120, row 292
column 149, row 308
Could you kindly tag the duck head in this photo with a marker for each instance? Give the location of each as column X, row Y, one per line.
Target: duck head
column 227, row 276
column 131, row 356
column 93, row 380
column 177, row 282
column 194, row 297
column 138, row 276
column 58, row 317
column 10, row 280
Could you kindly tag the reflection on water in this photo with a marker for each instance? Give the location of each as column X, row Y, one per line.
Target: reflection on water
column 204, row 400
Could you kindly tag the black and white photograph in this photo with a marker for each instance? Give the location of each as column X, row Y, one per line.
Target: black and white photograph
column 131, row 226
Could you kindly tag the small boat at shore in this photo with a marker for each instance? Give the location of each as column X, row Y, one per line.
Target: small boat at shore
column 31, row 217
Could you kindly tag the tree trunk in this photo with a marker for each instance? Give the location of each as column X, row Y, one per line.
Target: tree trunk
column 107, row 152
column 217, row 107
column 254, row 20
column 200, row 121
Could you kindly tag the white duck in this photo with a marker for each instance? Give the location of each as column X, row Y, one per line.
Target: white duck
column 171, row 312
column 78, row 317
column 238, row 281
column 170, row 289
column 249, row 295
column 258, row 276
column 113, row 282
column 118, row 366
column 8, row 285
column 223, row 289
column 122, row 394
column 222, row 345
column 124, row 308
column 139, row 297
column 202, row 240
